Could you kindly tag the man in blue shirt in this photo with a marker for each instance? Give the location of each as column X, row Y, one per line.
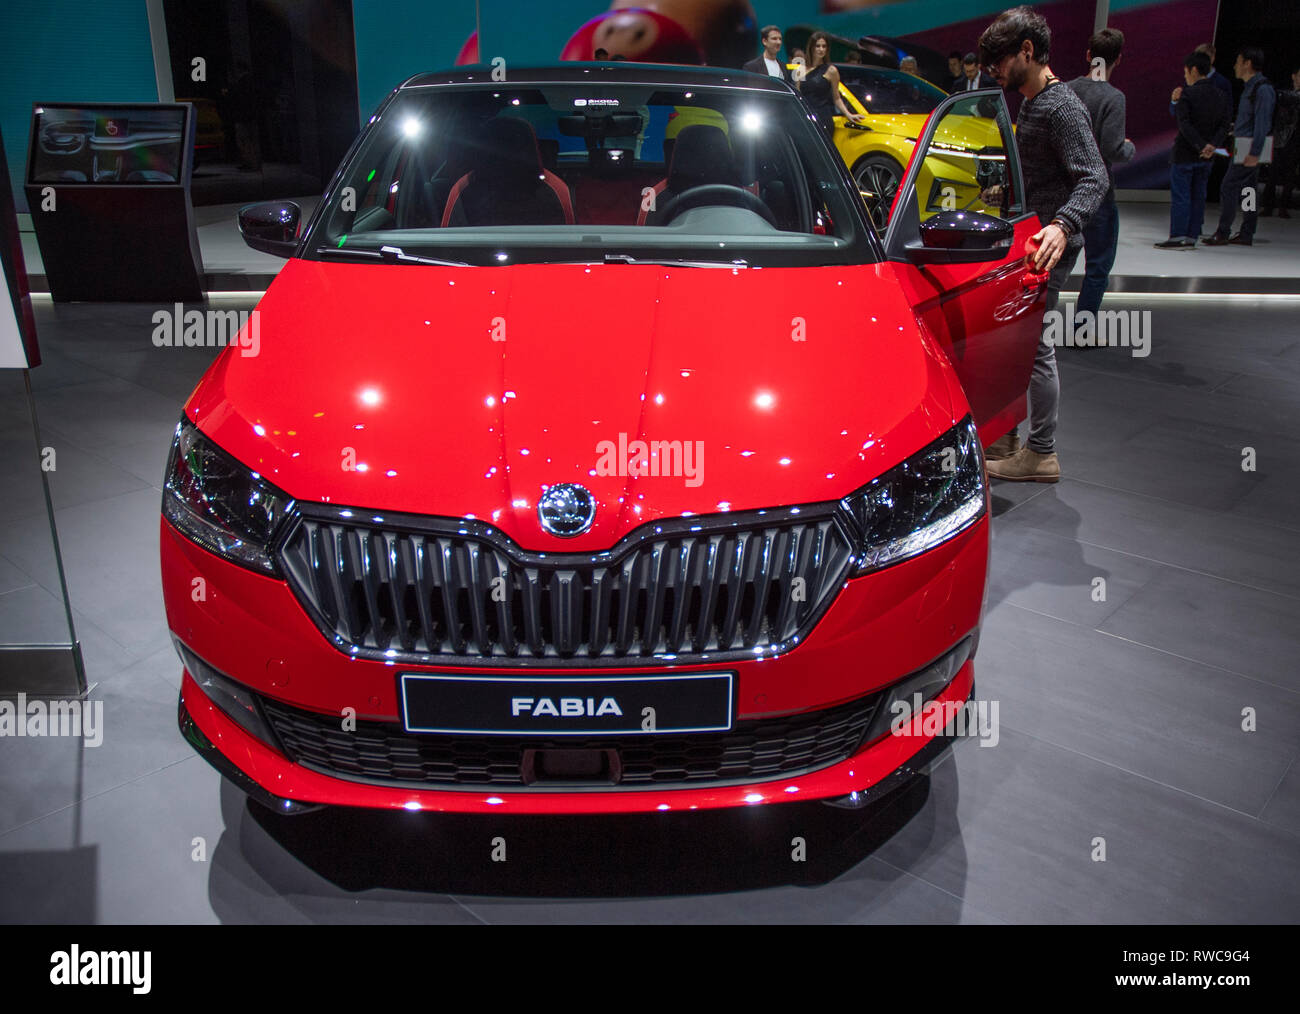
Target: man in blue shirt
column 1254, row 122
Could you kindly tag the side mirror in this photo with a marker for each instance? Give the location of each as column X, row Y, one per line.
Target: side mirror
column 962, row 237
column 271, row 226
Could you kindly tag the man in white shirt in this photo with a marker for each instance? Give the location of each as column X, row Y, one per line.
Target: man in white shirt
column 973, row 78
column 770, row 63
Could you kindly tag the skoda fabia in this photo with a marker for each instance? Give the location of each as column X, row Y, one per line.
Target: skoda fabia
column 598, row 455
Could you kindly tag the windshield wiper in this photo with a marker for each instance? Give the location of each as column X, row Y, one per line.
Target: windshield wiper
column 389, row 255
column 622, row 258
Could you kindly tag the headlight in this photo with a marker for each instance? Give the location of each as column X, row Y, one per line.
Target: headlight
column 926, row 500
column 222, row 505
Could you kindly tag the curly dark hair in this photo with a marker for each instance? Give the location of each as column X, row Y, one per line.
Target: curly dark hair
column 1009, row 31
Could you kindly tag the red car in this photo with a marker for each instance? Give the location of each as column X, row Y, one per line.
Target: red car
column 595, row 454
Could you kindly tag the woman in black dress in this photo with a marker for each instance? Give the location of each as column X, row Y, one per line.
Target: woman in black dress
column 820, row 86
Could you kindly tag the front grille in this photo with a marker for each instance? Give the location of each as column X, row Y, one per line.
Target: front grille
column 445, row 591
column 753, row 750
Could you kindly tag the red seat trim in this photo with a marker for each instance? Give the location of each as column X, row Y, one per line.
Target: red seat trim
column 557, row 185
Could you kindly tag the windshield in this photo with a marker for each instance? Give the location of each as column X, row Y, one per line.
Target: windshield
column 602, row 172
column 891, row 91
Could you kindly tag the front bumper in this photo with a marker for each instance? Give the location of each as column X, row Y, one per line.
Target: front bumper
column 880, row 628
column 280, row 785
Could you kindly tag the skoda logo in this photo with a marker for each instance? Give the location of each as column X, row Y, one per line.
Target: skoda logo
column 566, row 510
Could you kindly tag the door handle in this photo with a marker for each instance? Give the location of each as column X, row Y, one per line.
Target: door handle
column 1030, row 282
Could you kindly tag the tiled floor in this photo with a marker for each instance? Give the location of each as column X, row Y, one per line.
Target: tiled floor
column 1120, row 717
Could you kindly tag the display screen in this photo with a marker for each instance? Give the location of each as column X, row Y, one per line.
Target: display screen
column 106, row 144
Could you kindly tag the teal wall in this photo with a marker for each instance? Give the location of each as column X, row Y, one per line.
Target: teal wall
column 68, row 51
column 398, row 38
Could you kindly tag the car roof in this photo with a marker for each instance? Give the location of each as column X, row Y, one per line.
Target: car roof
column 622, row 71
column 867, row 70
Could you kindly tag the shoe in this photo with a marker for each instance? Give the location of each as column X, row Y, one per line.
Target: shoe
column 1240, row 240
column 1172, row 244
column 1188, row 244
column 1002, row 447
column 1218, row 239
column 1284, row 213
column 1266, row 213
column 1026, row 466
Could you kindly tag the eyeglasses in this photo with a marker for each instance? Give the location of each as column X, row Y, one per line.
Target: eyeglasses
column 991, row 69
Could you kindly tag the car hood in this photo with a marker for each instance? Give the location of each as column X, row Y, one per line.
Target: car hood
column 468, row 391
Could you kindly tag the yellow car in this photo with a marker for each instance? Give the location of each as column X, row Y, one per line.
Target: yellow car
column 966, row 160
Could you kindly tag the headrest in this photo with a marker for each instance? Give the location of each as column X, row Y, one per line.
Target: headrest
column 702, row 155
column 506, row 150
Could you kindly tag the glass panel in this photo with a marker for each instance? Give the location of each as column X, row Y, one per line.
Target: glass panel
column 967, row 166
column 539, row 172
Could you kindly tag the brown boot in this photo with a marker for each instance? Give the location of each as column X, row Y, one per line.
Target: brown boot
column 1026, row 466
column 1002, row 447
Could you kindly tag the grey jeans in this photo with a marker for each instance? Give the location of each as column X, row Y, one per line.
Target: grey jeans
column 1044, row 382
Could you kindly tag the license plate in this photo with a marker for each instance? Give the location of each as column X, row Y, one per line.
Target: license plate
column 602, row 706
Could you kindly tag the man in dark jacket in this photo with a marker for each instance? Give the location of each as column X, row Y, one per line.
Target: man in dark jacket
column 769, row 62
column 1220, row 81
column 1202, row 114
column 1065, row 182
column 972, row 78
column 1240, row 191
column 1106, row 107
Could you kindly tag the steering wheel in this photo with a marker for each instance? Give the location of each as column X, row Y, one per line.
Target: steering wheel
column 715, row 193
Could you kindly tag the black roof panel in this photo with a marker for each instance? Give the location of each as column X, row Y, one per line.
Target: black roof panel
column 620, row 71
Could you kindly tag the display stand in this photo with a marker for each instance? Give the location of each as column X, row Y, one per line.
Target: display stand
column 36, row 670
column 108, row 187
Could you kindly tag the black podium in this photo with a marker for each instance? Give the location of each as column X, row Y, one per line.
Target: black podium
column 108, row 187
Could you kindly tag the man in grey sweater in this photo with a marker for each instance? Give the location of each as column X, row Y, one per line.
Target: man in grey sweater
column 1106, row 107
column 1065, row 183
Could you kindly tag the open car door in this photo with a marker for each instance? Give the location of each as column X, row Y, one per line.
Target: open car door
column 958, row 231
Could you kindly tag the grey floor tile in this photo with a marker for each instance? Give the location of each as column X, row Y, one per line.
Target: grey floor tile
column 137, row 842
column 38, row 775
column 1241, row 629
column 1059, row 576
column 871, row 892
column 110, row 553
column 147, row 460
column 1011, row 830
column 1007, row 496
column 104, row 413
column 1226, row 546
column 1195, row 465
column 32, row 615
column 12, row 577
column 57, row 369
column 1283, row 809
column 75, row 476
column 1173, row 721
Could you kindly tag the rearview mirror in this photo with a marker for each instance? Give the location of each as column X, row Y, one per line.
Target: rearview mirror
column 962, row 237
column 271, row 227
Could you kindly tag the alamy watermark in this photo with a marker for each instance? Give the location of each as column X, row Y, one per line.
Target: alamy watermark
column 637, row 458
column 181, row 328
column 39, row 718
column 1129, row 329
column 947, row 718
